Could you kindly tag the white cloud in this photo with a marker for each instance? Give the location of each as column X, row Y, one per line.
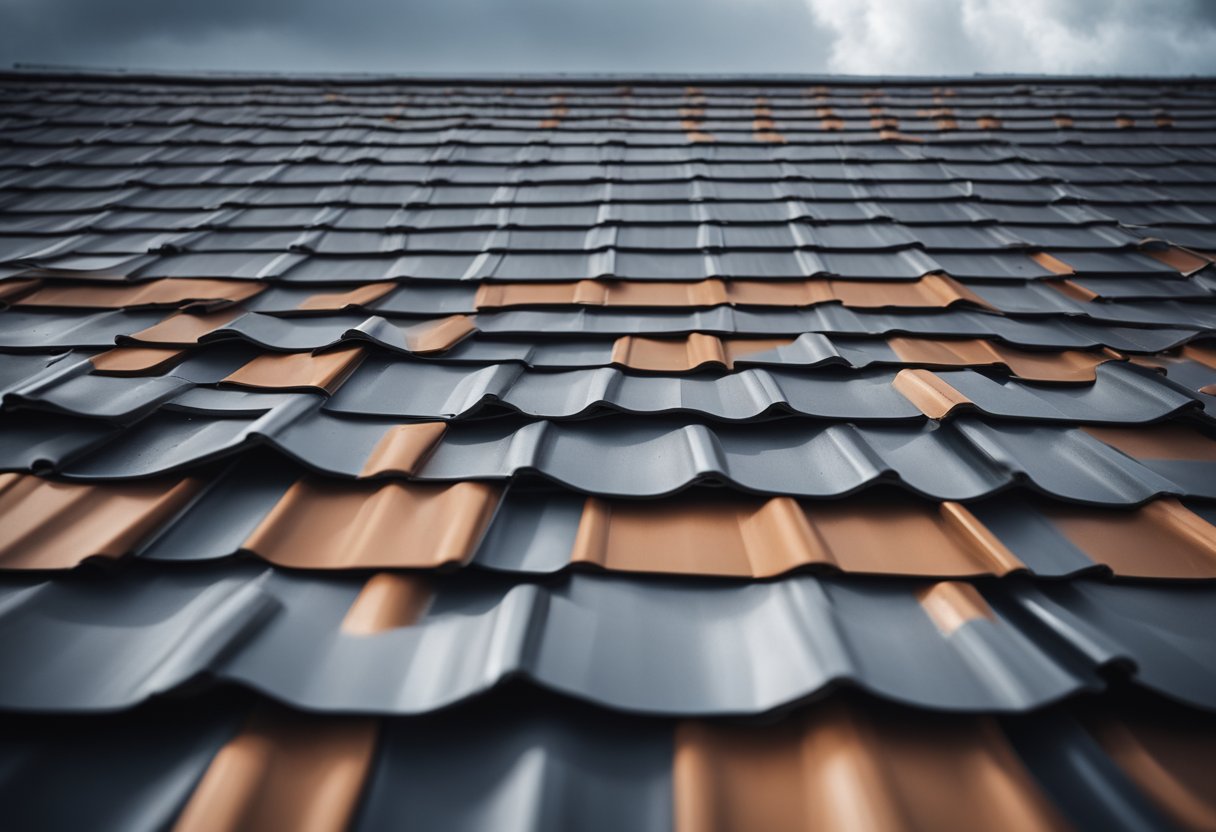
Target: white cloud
column 1033, row 36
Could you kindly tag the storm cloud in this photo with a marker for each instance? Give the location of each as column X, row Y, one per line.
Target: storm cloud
column 630, row 36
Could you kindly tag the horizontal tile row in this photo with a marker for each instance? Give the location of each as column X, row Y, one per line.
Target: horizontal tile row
column 395, row 643
column 662, row 133
column 518, row 763
column 1143, row 301
column 386, row 385
column 1160, row 220
column 275, row 511
column 931, row 291
column 690, row 115
column 140, row 104
column 531, row 266
column 85, row 174
column 460, row 206
column 1191, row 366
column 513, row 328
column 705, row 237
column 962, row 459
column 1005, row 154
column 574, row 112
column 1036, row 331
column 269, row 161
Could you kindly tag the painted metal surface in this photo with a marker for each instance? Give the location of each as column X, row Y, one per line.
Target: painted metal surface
column 537, row 763
column 375, row 395
column 684, row 648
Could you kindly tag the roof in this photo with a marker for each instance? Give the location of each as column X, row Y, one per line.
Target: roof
column 600, row 452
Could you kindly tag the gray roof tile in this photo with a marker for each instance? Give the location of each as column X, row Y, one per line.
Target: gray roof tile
column 280, row 633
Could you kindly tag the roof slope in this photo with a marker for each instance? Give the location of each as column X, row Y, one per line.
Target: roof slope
column 607, row 453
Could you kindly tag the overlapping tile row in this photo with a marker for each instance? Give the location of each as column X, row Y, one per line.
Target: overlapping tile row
column 394, row 643
column 517, row 333
column 964, row 458
column 380, row 385
column 649, row 456
column 529, row 763
column 684, row 185
column 282, row 514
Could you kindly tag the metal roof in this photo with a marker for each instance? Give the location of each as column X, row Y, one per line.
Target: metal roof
column 527, row 762
column 626, row 453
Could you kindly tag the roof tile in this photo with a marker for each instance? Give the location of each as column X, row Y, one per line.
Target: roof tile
column 461, row 388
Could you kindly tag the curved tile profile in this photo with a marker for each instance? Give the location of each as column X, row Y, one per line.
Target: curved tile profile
column 1120, row 394
column 50, row 525
column 685, row 354
column 20, row 330
column 540, row 763
column 708, row 535
column 39, row 329
column 113, row 773
column 413, row 644
column 174, row 292
column 211, row 406
column 961, row 323
column 962, row 459
column 270, row 510
column 929, row 292
column 698, row 351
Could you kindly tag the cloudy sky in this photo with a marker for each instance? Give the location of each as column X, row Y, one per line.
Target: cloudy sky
column 496, row 36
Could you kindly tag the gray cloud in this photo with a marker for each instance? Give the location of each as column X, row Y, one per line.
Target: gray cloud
column 417, row 35
column 476, row 36
column 1046, row 36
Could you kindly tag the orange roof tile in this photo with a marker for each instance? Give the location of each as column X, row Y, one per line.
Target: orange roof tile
column 322, row 524
column 324, row 371
column 403, row 448
column 951, row 604
column 1169, row 759
column 183, row 328
column 440, row 335
column 284, row 771
column 164, row 292
column 1167, row 441
column 337, row 301
column 688, row 353
column 56, row 525
column 1186, row 262
column 843, row 767
column 930, row 291
column 333, row 524
column 388, row 601
column 744, row 537
column 931, row 394
column 136, row 361
column 1064, row 365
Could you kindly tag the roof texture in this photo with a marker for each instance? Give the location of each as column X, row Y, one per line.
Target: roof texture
column 562, row 454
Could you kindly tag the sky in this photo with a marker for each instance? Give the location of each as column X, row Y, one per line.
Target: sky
column 893, row 37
